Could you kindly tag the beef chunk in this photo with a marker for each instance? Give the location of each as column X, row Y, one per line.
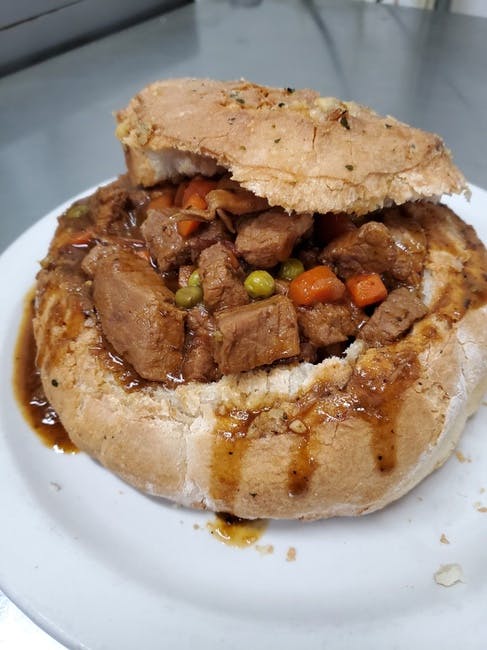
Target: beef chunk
column 255, row 335
column 198, row 364
column 184, row 274
column 269, row 238
column 328, row 323
column 111, row 202
column 206, row 235
column 282, row 287
column 310, row 257
column 91, row 259
column 168, row 247
column 137, row 314
column 393, row 317
column 221, row 278
column 410, row 241
column 163, row 240
column 371, row 248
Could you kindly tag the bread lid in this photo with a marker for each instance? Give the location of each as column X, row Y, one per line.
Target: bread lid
column 298, row 150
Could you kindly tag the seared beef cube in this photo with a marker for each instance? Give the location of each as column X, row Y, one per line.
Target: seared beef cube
column 327, row 323
column 371, row 248
column 256, row 334
column 310, row 257
column 93, row 257
column 168, row 247
column 308, row 352
column 199, row 364
column 164, row 242
column 281, row 287
column 137, row 314
column 221, row 278
column 184, row 274
column 269, row 238
column 393, row 317
column 410, row 241
column 206, row 235
column 111, row 202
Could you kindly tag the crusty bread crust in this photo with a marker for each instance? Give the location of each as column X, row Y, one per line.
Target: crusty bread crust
column 350, row 159
column 344, row 437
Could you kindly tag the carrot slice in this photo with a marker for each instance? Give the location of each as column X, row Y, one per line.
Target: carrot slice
column 194, row 201
column 319, row 284
column 165, row 200
column 366, row 289
column 187, row 227
column 200, row 186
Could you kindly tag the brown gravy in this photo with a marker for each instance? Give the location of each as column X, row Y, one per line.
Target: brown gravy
column 29, row 392
column 234, row 531
column 374, row 392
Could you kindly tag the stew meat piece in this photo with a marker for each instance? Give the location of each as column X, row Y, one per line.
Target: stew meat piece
column 206, row 235
column 110, row 205
column 221, row 278
column 269, row 238
column 164, row 242
column 198, row 364
column 168, row 247
column 411, row 246
column 138, row 315
column 256, row 335
column 370, row 248
column 327, row 323
column 393, row 317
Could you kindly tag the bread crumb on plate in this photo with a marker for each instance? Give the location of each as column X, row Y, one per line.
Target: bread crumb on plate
column 448, row 575
column 291, row 554
column 461, row 457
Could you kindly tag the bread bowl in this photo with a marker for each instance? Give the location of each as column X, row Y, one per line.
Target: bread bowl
column 293, row 426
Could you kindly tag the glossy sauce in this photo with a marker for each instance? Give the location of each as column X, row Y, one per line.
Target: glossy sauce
column 29, row 392
column 375, row 390
column 229, row 448
column 234, row 531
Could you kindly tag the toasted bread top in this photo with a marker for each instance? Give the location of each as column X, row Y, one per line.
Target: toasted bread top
column 299, row 150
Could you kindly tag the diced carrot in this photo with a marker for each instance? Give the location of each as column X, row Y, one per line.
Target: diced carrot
column 81, row 238
column 366, row 289
column 178, row 197
column 164, row 200
column 200, row 186
column 194, row 201
column 329, row 226
column 187, row 227
column 319, row 284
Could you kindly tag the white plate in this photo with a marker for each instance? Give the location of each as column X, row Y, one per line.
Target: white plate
column 99, row 565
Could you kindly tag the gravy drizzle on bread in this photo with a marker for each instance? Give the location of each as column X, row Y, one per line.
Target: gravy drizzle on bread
column 322, row 417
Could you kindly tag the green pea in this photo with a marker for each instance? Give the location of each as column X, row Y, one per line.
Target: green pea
column 194, row 279
column 259, row 284
column 291, row 268
column 188, row 297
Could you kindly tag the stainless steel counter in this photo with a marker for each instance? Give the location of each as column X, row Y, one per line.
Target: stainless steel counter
column 56, row 124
